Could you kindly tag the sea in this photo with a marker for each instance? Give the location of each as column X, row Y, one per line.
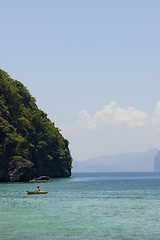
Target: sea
column 88, row 206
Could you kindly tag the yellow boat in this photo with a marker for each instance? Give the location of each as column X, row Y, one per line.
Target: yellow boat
column 36, row 192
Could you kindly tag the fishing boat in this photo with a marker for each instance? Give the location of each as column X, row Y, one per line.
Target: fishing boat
column 36, row 192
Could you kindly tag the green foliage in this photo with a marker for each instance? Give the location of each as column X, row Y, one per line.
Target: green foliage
column 26, row 131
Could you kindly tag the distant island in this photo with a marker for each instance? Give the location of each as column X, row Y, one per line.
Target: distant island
column 123, row 162
column 157, row 162
column 30, row 144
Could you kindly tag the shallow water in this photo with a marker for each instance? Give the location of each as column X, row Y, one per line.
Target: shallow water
column 113, row 206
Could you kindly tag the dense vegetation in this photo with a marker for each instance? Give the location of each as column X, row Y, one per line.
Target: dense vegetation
column 25, row 131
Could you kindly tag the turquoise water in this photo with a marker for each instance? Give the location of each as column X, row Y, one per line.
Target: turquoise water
column 96, row 206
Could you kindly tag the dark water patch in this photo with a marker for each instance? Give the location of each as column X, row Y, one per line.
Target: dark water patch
column 77, row 197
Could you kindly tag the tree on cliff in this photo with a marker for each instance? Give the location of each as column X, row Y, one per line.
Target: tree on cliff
column 26, row 132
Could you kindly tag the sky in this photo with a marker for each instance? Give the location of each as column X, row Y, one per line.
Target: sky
column 93, row 67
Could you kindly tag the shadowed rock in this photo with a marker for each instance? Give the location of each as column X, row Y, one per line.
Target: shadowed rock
column 43, row 178
column 20, row 170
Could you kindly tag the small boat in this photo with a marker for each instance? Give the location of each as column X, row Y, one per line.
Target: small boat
column 36, row 192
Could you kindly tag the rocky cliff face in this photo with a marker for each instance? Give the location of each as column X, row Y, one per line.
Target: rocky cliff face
column 20, row 170
column 157, row 162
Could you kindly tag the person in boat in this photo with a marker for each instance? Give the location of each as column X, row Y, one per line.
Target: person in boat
column 38, row 189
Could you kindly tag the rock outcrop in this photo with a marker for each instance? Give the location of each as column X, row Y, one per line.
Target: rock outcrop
column 30, row 144
column 41, row 178
column 20, row 170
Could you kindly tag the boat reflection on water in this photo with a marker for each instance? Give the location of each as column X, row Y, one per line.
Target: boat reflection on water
column 36, row 192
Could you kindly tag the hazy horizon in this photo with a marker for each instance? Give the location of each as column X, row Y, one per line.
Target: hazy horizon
column 123, row 162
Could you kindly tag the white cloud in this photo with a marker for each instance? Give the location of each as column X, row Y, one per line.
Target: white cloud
column 113, row 130
column 113, row 115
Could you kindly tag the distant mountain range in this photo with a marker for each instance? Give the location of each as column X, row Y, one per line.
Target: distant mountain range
column 123, row 162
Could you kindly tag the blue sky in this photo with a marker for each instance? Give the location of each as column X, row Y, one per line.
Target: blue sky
column 93, row 67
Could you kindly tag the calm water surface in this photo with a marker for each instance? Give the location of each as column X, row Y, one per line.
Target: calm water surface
column 113, row 206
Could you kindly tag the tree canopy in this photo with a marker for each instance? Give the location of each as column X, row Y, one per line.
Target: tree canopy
column 26, row 131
